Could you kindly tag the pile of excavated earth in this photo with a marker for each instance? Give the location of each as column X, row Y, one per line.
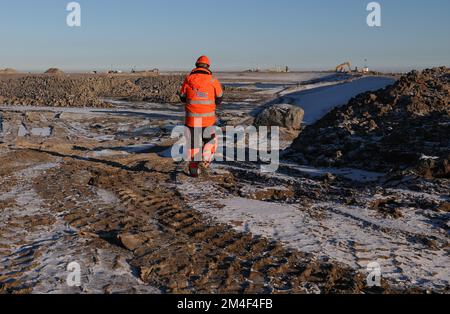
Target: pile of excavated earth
column 54, row 71
column 404, row 127
column 8, row 71
column 85, row 91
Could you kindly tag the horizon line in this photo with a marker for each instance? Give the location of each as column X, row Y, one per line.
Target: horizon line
column 227, row 69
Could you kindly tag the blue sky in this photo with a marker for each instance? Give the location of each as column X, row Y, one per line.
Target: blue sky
column 236, row 34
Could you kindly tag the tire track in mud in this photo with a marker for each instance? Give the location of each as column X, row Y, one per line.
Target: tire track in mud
column 163, row 241
column 21, row 211
column 222, row 258
column 167, row 244
column 177, row 250
column 366, row 237
column 36, row 244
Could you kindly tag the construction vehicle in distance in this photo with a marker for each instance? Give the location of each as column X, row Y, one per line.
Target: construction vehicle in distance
column 345, row 67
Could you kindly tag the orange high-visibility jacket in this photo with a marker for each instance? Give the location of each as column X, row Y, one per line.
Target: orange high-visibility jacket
column 202, row 92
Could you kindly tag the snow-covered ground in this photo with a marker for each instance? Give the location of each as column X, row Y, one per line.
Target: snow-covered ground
column 293, row 77
column 318, row 101
column 144, row 113
column 326, row 228
column 348, row 173
column 52, row 247
column 351, row 234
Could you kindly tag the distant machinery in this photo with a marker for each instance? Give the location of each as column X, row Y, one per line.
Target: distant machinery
column 345, row 67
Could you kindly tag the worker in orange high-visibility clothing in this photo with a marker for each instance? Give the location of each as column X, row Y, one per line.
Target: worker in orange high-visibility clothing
column 202, row 93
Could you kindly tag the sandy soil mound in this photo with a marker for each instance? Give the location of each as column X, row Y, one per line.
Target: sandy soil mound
column 47, row 91
column 8, row 71
column 405, row 125
column 54, row 71
column 157, row 89
column 86, row 91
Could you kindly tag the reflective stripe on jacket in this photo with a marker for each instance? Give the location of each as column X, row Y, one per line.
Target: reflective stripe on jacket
column 201, row 91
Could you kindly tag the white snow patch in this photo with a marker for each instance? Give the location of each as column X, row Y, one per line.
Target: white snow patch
column 107, row 153
column 107, row 196
column 425, row 157
column 318, row 102
column 348, row 173
column 22, row 131
column 42, row 132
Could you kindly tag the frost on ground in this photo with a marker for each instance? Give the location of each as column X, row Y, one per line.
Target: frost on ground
column 317, row 102
column 411, row 249
column 98, row 187
column 37, row 262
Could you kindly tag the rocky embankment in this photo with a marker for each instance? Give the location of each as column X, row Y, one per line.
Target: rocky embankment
column 405, row 126
column 85, row 90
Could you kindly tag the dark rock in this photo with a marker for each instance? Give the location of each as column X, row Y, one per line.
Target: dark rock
column 286, row 116
column 130, row 241
column 444, row 207
column 387, row 207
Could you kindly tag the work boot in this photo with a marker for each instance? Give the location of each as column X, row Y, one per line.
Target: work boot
column 194, row 169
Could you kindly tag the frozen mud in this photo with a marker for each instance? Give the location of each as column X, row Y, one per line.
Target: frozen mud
column 37, row 245
column 411, row 249
column 97, row 187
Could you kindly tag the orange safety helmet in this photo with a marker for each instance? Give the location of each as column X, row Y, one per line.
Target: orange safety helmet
column 204, row 59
